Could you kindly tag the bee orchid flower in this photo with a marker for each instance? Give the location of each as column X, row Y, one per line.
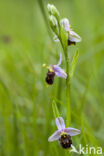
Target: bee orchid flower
column 55, row 70
column 63, row 134
column 73, row 37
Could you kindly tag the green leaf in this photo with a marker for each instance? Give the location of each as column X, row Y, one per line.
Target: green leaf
column 64, row 38
column 55, row 109
column 73, row 64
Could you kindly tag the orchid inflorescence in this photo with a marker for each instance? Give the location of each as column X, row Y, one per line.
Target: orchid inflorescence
column 57, row 23
column 64, row 34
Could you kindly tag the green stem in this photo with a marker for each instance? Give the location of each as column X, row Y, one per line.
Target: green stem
column 68, row 116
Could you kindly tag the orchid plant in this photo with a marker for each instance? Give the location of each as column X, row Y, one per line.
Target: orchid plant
column 64, row 34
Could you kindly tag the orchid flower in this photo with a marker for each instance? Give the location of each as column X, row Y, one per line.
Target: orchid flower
column 72, row 36
column 55, row 70
column 63, row 134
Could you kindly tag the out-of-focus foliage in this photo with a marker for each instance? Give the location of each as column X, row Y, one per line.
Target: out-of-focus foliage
column 26, row 116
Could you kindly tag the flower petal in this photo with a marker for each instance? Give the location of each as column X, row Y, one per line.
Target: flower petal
column 60, row 123
column 65, row 23
column 60, row 59
column 72, row 131
column 59, row 72
column 54, row 136
column 73, row 37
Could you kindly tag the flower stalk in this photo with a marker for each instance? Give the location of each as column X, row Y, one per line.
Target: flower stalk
column 68, row 116
column 68, row 101
column 68, row 105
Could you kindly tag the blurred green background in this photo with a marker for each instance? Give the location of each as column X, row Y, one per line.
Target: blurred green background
column 26, row 116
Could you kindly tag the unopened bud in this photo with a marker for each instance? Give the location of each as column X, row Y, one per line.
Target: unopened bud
column 53, row 23
column 53, row 11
